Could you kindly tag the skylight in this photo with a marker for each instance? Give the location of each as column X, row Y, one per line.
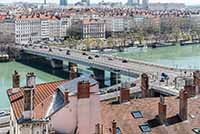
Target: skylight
column 137, row 114
column 145, row 127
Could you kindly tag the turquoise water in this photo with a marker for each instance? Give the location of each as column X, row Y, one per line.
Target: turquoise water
column 6, row 70
column 176, row 56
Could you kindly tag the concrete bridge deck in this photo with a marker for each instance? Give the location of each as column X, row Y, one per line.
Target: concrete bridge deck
column 104, row 62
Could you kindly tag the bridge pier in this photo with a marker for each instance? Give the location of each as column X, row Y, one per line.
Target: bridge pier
column 114, row 78
column 56, row 64
column 73, row 70
column 99, row 76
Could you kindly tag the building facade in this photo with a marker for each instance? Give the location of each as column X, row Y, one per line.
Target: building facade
column 27, row 29
column 89, row 28
column 7, row 30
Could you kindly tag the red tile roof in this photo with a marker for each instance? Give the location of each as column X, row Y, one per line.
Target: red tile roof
column 42, row 98
column 121, row 113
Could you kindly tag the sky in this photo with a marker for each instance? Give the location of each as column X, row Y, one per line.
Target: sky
column 188, row 2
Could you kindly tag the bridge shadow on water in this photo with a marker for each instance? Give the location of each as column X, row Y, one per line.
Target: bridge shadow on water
column 46, row 67
column 63, row 73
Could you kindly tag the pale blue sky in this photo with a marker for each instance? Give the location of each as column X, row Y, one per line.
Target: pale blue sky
column 188, row 2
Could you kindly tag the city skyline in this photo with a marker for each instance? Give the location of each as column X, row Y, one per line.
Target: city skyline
column 188, row 2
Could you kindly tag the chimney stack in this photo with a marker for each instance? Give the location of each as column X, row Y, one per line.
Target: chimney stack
column 29, row 95
column 97, row 129
column 66, row 95
column 196, row 76
column 145, row 85
column 125, row 93
column 183, row 104
column 30, row 80
column 73, row 71
column 27, row 103
column 190, row 87
column 162, row 110
column 114, row 127
column 83, row 89
column 16, row 80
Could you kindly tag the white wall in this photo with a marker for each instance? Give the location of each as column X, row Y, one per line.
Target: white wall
column 82, row 113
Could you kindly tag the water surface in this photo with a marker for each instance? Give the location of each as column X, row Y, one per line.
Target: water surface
column 175, row 56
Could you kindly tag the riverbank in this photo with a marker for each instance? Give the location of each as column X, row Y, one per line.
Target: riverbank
column 144, row 46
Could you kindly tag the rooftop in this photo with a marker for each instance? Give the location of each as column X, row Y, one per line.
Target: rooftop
column 44, row 96
column 48, row 97
column 121, row 113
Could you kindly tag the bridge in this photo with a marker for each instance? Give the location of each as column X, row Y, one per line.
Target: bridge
column 98, row 62
column 103, row 62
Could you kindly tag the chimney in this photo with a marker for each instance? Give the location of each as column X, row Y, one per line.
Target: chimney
column 83, row 89
column 73, row 71
column 162, row 110
column 114, row 127
column 29, row 95
column 97, row 129
column 66, row 95
column 125, row 93
column 30, row 80
column 145, row 85
column 183, row 104
column 190, row 87
column 16, row 79
column 27, row 103
column 196, row 76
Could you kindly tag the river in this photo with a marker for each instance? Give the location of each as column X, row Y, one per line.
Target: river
column 176, row 56
column 6, row 71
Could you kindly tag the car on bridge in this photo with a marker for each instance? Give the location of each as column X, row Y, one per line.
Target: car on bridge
column 110, row 58
column 68, row 52
column 90, row 58
column 84, row 53
column 96, row 56
column 124, row 61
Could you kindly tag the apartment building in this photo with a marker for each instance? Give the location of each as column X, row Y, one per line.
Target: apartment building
column 65, row 26
column 54, row 28
column 118, row 24
column 27, row 29
column 89, row 28
column 7, row 30
column 55, row 107
column 30, row 29
column 195, row 22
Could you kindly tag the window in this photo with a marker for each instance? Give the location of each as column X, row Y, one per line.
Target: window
column 145, row 127
column 137, row 114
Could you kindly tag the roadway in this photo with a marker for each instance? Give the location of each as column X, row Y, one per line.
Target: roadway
column 103, row 62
